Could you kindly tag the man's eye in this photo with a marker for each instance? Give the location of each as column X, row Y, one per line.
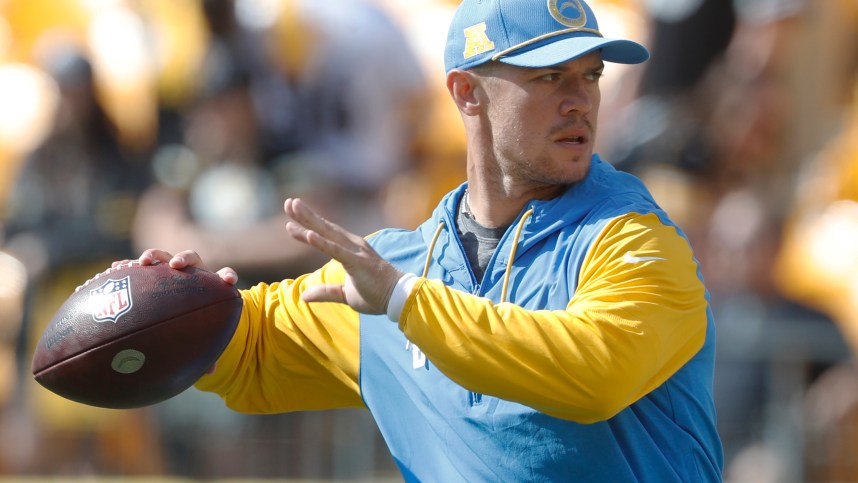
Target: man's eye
column 550, row 77
column 593, row 76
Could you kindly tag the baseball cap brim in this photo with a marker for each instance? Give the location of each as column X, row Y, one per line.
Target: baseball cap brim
column 559, row 51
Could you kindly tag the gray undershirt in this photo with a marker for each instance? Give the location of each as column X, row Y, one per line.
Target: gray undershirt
column 479, row 242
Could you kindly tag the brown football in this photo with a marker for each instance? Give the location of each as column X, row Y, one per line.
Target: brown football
column 136, row 335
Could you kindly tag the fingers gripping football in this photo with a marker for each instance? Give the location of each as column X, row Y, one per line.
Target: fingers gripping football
column 183, row 259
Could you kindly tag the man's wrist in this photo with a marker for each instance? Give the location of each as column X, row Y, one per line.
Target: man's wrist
column 399, row 296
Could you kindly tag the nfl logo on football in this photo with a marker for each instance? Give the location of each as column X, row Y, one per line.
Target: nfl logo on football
column 111, row 300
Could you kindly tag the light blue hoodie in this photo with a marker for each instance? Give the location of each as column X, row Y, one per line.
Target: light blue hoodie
column 438, row 430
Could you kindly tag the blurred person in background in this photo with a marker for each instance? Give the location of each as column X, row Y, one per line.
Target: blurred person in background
column 820, row 234
column 439, row 142
column 28, row 96
column 69, row 199
column 69, row 211
column 818, row 265
column 16, row 440
column 289, row 104
column 288, row 100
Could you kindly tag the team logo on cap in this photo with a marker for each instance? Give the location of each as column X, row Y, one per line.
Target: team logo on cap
column 476, row 40
column 568, row 12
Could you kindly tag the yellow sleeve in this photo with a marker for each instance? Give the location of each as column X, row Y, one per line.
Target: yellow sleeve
column 632, row 323
column 287, row 355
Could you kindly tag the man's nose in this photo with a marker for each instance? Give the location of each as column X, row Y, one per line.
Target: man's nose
column 577, row 98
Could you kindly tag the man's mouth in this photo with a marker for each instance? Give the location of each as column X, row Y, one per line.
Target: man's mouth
column 574, row 140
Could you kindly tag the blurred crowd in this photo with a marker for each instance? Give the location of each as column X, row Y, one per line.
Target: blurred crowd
column 185, row 123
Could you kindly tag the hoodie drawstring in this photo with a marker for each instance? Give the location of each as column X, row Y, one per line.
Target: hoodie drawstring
column 432, row 248
column 518, row 231
column 508, row 269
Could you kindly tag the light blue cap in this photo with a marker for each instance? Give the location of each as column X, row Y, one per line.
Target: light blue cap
column 530, row 33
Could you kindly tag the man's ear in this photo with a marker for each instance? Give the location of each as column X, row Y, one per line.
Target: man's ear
column 465, row 89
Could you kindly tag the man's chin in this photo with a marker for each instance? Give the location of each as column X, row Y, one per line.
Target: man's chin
column 578, row 172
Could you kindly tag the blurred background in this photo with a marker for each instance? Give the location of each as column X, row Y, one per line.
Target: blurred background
column 185, row 123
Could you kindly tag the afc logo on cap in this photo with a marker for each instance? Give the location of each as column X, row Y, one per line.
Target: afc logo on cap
column 476, row 40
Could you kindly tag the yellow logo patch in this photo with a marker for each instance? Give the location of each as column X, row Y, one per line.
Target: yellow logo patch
column 476, row 40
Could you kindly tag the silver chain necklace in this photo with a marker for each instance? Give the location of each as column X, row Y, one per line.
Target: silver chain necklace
column 466, row 207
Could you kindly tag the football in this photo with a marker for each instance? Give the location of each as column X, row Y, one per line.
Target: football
column 135, row 335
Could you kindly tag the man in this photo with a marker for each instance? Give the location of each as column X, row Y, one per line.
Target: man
column 549, row 320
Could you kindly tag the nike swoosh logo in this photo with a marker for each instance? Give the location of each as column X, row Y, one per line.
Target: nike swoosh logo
column 629, row 258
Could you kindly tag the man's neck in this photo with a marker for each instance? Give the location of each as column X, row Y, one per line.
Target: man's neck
column 494, row 207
